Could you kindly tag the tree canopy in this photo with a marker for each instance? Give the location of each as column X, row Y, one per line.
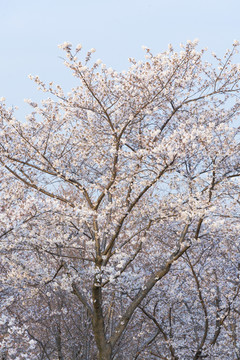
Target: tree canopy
column 120, row 213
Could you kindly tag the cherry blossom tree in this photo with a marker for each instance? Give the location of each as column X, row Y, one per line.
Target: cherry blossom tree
column 120, row 212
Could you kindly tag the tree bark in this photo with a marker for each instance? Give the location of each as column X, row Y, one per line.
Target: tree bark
column 104, row 348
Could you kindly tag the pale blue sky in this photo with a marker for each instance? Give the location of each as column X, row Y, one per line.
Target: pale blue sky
column 31, row 31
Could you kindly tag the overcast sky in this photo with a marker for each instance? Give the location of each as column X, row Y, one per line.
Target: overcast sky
column 31, row 31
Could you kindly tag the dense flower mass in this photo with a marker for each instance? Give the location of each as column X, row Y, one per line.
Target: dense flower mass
column 119, row 212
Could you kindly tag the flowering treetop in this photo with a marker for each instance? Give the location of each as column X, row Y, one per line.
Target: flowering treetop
column 104, row 188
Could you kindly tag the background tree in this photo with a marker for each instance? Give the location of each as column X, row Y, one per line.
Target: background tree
column 108, row 188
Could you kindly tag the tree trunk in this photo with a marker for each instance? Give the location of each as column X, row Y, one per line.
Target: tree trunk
column 104, row 348
column 105, row 354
